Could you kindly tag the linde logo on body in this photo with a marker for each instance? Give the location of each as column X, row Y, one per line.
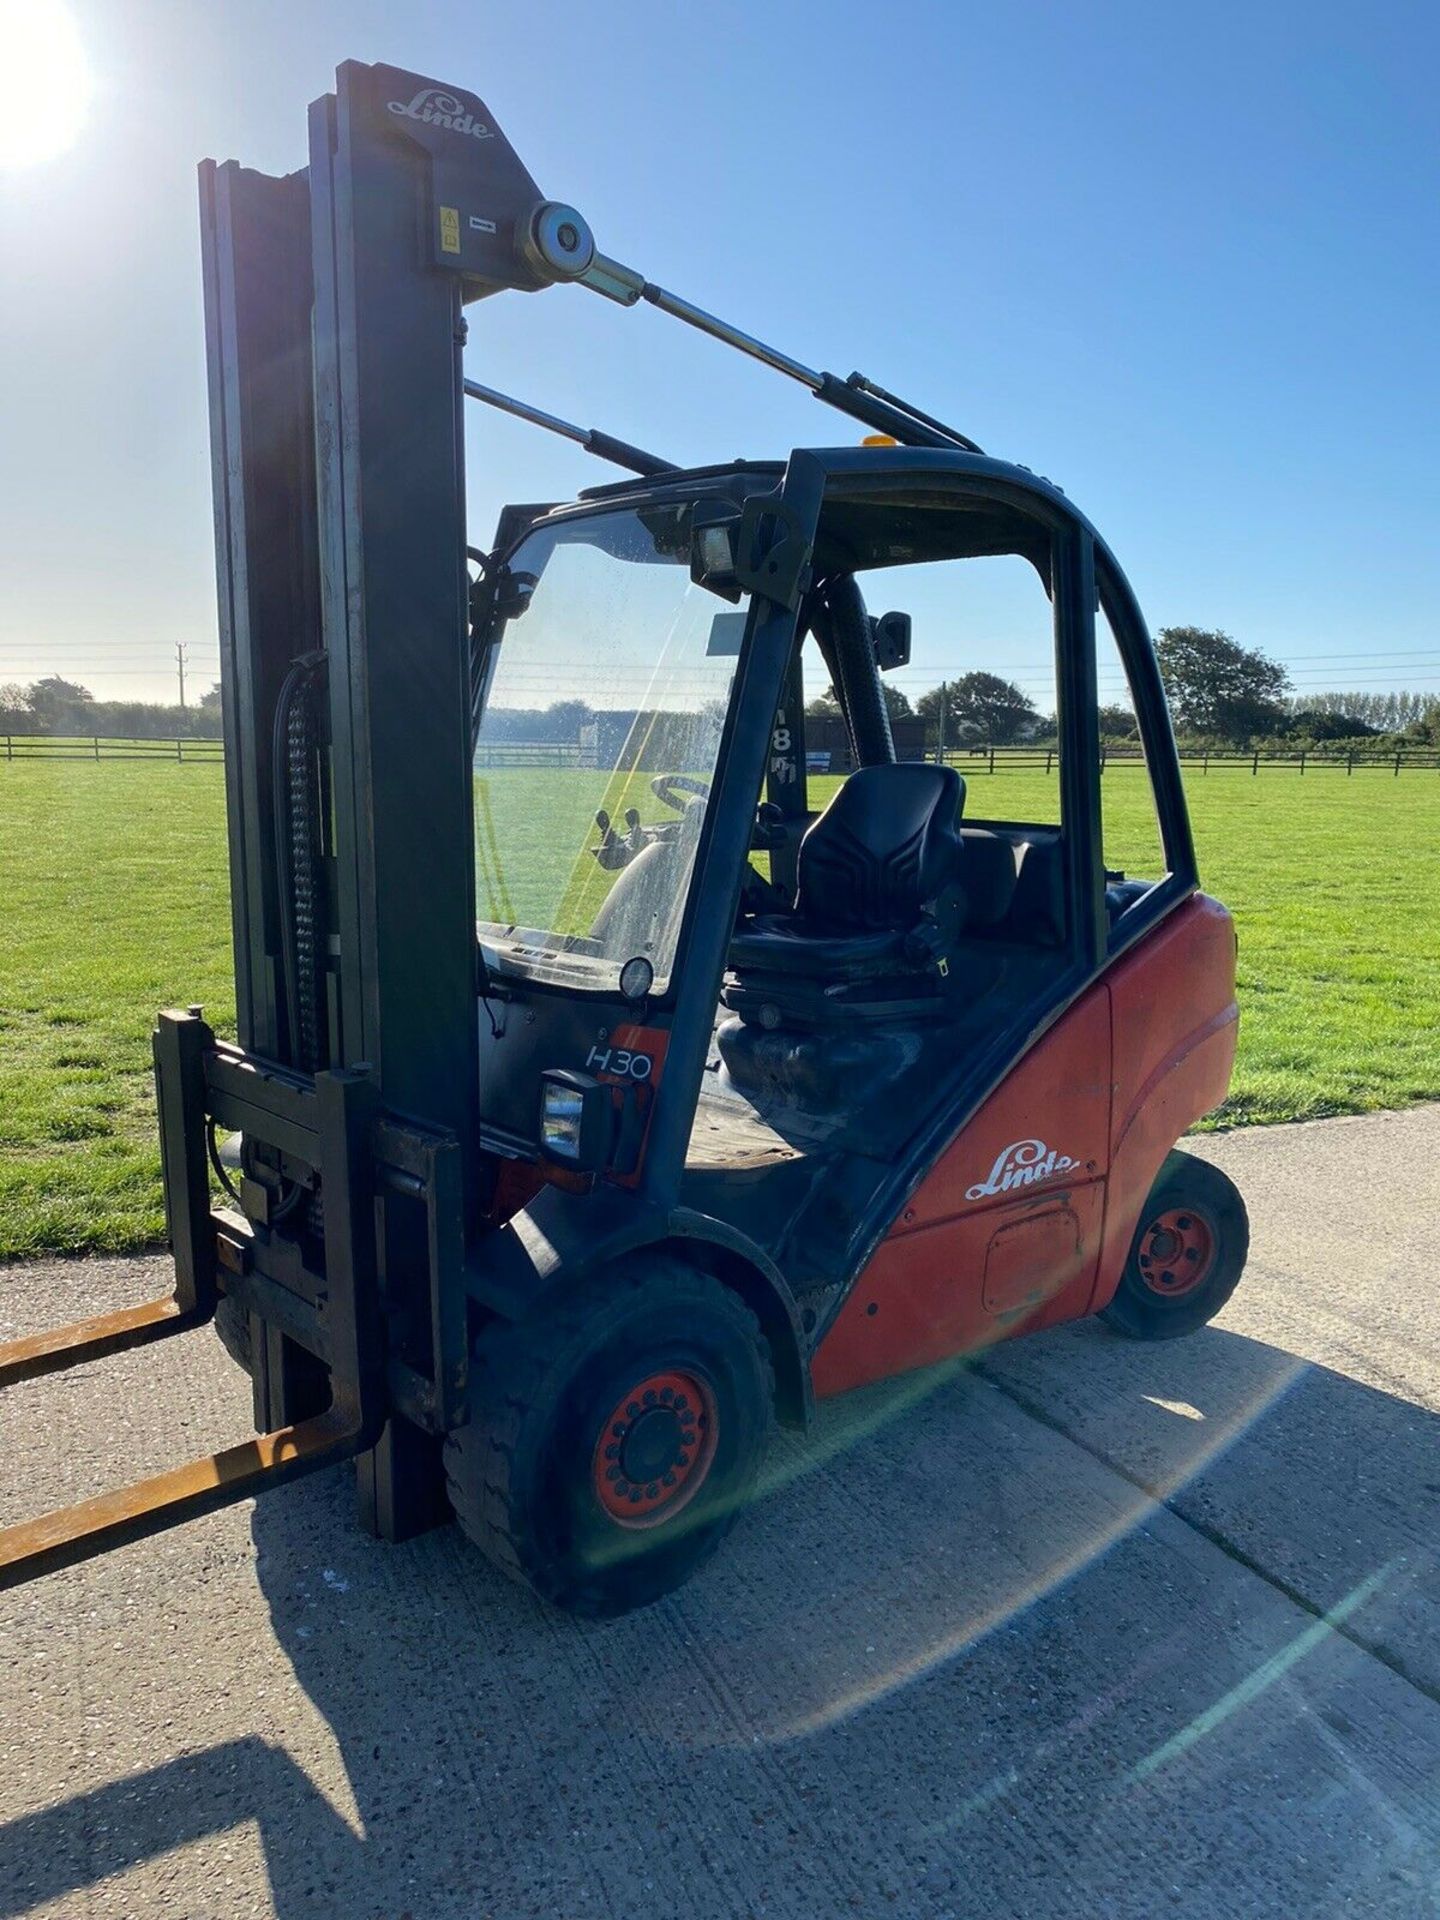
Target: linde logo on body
column 1021, row 1165
column 439, row 109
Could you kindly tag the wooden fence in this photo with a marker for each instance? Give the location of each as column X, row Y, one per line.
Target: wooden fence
column 198, row 750
column 533, row 753
column 1314, row 759
column 195, row 751
column 208, row 751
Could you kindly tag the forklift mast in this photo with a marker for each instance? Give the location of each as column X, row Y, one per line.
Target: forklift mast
column 335, row 325
column 340, row 531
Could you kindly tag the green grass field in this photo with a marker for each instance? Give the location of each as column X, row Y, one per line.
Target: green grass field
column 114, row 902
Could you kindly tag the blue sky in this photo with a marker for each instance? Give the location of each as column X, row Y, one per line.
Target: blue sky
column 1182, row 260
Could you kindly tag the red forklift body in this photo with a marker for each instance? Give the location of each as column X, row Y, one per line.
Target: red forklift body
column 1009, row 1232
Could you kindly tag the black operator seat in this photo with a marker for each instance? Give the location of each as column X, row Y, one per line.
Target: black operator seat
column 884, row 849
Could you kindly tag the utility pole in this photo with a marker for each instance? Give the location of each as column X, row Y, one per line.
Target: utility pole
column 944, row 702
column 180, row 646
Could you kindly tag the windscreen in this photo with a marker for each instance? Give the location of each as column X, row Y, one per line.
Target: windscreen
column 606, row 696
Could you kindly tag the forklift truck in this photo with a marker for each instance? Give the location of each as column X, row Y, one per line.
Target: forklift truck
column 586, row 1119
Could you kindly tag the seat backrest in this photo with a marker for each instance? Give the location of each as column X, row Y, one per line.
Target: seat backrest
column 1038, row 915
column 887, row 843
column 991, row 867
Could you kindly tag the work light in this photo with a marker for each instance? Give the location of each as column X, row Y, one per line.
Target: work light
column 577, row 1119
column 713, row 525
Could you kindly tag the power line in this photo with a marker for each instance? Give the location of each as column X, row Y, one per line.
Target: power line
column 122, row 654
column 84, row 676
column 96, row 653
column 138, row 662
column 1385, row 661
column 99, row 659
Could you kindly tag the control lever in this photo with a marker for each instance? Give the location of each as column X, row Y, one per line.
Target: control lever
column 769, row 831
column 617, row 850
column 612, row 852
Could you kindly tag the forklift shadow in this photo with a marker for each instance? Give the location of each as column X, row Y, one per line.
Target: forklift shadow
column 1312, row 1475
column 1001, row 1485
column 195, row 1798
column 957, row 1569
column 920, row 1526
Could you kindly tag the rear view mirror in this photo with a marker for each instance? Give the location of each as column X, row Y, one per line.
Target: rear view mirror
column 510, row 593
column 890, row 633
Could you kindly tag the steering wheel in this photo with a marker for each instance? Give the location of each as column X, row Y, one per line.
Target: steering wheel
column 665, row 786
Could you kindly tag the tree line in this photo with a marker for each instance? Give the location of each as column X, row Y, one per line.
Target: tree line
column 1221, row 694
column 60, row 707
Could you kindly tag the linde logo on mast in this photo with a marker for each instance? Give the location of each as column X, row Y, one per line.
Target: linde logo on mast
column 439, row 109
column 1022, row 1164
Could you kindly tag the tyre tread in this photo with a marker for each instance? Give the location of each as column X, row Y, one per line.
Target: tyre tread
column 480, row 1456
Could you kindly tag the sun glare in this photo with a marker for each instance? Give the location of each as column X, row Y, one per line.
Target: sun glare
column 46, row 89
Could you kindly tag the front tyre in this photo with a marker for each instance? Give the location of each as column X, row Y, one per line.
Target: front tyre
column 1187, row 1255
column 616, row 1438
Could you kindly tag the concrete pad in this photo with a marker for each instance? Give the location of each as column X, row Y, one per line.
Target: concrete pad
column 1302, row 1429
column 955, row 1662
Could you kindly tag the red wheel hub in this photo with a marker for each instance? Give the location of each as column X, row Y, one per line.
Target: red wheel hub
column 655, row 1450
column 1177, row 1251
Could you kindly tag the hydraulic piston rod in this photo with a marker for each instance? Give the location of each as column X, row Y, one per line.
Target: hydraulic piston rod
column 857, row 396
column 694, row 316
column 558, row 245
column 603, row 445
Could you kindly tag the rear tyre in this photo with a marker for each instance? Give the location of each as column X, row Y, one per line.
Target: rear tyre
column 1187, row 1255
column 615, row 1440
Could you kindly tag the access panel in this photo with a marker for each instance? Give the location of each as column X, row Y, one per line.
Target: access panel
column 1003, row 1235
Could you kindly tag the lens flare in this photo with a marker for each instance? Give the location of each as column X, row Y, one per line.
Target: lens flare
column 47, row 86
